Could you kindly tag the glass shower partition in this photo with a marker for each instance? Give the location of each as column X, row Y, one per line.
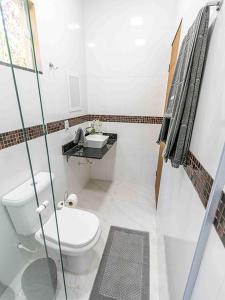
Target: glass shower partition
column 38, row 271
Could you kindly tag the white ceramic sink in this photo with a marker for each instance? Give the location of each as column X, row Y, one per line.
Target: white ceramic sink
column 96, row 141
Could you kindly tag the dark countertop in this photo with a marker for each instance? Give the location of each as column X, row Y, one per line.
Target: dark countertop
column 71, row 149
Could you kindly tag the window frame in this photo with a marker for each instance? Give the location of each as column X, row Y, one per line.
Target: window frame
column 31, row 7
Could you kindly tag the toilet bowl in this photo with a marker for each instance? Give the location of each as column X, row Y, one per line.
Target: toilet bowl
column 79, row 231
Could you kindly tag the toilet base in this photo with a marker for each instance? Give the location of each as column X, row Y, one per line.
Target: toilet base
column 78, row 264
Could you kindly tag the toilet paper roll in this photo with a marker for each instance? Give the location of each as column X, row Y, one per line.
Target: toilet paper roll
column 71, row 201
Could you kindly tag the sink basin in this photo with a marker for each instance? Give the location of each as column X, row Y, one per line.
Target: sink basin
column 96, row 141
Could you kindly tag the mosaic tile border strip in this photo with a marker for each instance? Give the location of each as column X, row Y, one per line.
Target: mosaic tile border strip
column 12, row 138
column 202, row 182
column 127, row 119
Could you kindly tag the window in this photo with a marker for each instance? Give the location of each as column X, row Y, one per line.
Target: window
column 17, row 26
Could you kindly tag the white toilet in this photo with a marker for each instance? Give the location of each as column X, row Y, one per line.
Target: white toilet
column 79, row 230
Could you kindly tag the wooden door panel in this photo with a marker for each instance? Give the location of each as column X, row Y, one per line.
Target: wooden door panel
column 172, row 66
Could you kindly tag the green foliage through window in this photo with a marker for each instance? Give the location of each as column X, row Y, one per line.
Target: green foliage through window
column 14, row 13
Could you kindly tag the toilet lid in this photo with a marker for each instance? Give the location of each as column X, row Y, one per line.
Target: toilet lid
column 77, row 228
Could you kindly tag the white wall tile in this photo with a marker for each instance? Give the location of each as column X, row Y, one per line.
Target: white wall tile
column 133, row 158
column 210, row 282
column 62, row 46
column 125, row 78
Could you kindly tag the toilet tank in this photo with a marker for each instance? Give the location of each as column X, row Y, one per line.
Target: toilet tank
column 21, row 204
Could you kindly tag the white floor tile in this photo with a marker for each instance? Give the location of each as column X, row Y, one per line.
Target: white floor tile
column 120, row 204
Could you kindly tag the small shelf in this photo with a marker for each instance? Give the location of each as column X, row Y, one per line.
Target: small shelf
column 72, row 149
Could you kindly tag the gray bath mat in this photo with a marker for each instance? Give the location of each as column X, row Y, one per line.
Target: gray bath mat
column 123, row 273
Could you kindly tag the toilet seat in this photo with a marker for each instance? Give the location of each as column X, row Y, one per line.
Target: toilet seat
column 78, row 230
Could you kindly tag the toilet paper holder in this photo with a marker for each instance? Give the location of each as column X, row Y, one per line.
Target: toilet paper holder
column 70, row 200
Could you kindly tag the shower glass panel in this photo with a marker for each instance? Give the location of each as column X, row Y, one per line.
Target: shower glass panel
column 207, row 237
column 28, row 266
column 182, row 255
column 180, row 217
